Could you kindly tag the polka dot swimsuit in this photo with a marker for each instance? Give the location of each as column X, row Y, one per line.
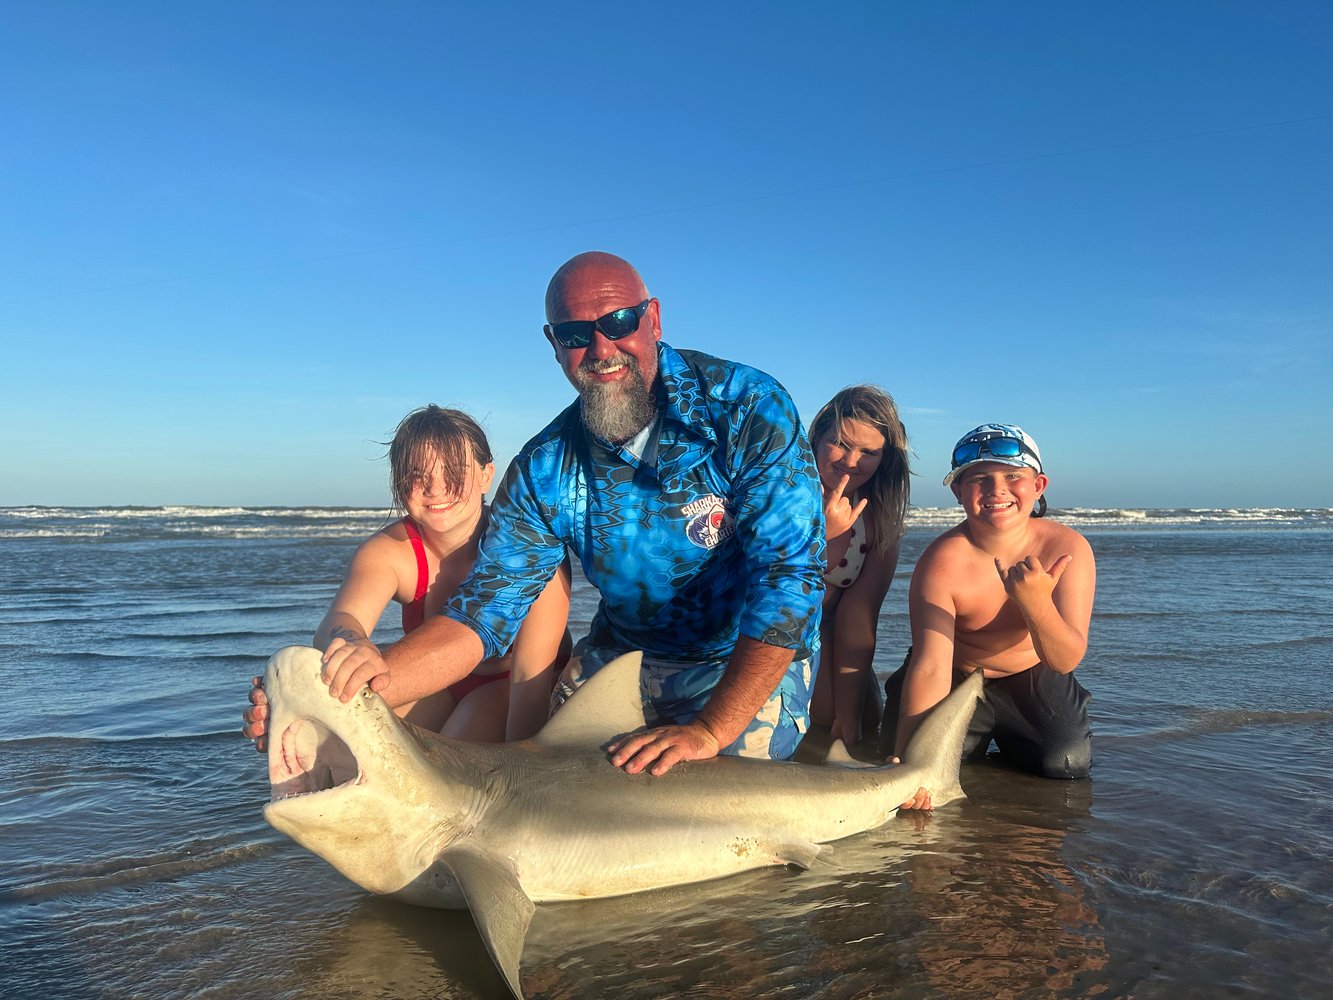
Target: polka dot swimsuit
column 845, row 573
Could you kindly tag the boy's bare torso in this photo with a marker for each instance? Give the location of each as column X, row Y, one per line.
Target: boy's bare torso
column 990, row 632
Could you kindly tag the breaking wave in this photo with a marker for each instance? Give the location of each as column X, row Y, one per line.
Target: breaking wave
column 340, row 523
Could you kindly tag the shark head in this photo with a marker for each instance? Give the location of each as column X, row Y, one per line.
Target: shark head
column 352, row 782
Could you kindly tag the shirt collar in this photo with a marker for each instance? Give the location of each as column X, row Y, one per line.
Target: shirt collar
column 684, row 400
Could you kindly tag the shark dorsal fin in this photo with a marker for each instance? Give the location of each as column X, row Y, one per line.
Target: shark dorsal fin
column 608, row 704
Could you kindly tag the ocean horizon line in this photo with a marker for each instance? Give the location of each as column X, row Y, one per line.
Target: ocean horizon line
column 373, row 508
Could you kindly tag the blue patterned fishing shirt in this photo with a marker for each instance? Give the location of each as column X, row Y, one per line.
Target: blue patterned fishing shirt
column 716, row 531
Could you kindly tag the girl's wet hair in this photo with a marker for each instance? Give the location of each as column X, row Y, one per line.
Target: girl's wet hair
column 889, row 489
column 432, row 434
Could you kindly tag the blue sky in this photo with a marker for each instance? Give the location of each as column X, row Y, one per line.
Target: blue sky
column 241, row 240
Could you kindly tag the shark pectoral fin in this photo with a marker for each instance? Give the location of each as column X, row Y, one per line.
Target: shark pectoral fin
column 801, row 855
column 606, row 705
column 838, row 756
column 500, row 907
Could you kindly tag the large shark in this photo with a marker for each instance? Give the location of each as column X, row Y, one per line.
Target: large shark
column 497, row 828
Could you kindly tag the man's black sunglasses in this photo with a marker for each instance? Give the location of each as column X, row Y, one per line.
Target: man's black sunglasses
column 614, row 326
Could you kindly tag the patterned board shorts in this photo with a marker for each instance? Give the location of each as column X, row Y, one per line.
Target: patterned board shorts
column 674, row 692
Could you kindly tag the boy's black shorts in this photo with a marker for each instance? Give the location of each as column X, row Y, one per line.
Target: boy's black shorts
column 1038, row 719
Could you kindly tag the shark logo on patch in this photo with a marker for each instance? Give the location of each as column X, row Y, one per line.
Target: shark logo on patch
column 710, row 522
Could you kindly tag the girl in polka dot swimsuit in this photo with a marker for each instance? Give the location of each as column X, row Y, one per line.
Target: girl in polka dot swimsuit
column 861, row 450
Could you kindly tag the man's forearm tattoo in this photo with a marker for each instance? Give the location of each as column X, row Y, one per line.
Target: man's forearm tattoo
column 345, row 633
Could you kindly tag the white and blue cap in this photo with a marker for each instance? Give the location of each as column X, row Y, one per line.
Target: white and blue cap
column 1007, row 444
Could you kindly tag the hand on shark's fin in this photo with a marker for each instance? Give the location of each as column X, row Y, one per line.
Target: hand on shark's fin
column 919, row 800
column 499, row 905
column 607, row 705
column 932, row 754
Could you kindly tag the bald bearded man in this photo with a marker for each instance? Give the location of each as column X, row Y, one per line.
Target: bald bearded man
column 685, row 486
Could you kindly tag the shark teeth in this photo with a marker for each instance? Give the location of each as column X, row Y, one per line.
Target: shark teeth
column 277, row 793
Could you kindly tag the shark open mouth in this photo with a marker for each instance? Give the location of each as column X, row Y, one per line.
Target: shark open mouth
column 311, row 758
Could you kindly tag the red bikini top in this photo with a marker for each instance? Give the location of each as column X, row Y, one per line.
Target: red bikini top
column 415, row 612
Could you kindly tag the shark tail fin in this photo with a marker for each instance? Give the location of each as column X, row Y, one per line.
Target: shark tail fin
column 937, row 745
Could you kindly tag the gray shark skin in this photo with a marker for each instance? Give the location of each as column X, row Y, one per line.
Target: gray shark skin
column 497, row 828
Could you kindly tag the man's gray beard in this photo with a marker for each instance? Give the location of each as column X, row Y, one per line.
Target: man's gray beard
column 616, row 412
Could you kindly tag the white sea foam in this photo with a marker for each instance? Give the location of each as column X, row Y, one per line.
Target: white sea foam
column 1164, row 517
column 92, row 532
column 180, row 521
column 128, row 513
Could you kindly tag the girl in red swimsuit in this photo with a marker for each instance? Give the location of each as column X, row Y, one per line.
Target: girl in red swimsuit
column 441, row 467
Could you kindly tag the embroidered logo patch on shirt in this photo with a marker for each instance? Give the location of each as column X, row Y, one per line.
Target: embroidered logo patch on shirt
column 710, row 522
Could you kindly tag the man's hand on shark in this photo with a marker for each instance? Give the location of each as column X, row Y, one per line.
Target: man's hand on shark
column 349, row 665
column 658, row 750
column 255, row 715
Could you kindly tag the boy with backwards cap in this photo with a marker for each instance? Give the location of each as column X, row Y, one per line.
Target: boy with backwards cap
column 1009, row 593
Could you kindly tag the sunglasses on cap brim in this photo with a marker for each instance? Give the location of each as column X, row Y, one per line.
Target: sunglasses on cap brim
column 996, row 447
column 613, row 326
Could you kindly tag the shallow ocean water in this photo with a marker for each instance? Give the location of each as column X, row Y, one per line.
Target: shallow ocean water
column 1197, row 861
